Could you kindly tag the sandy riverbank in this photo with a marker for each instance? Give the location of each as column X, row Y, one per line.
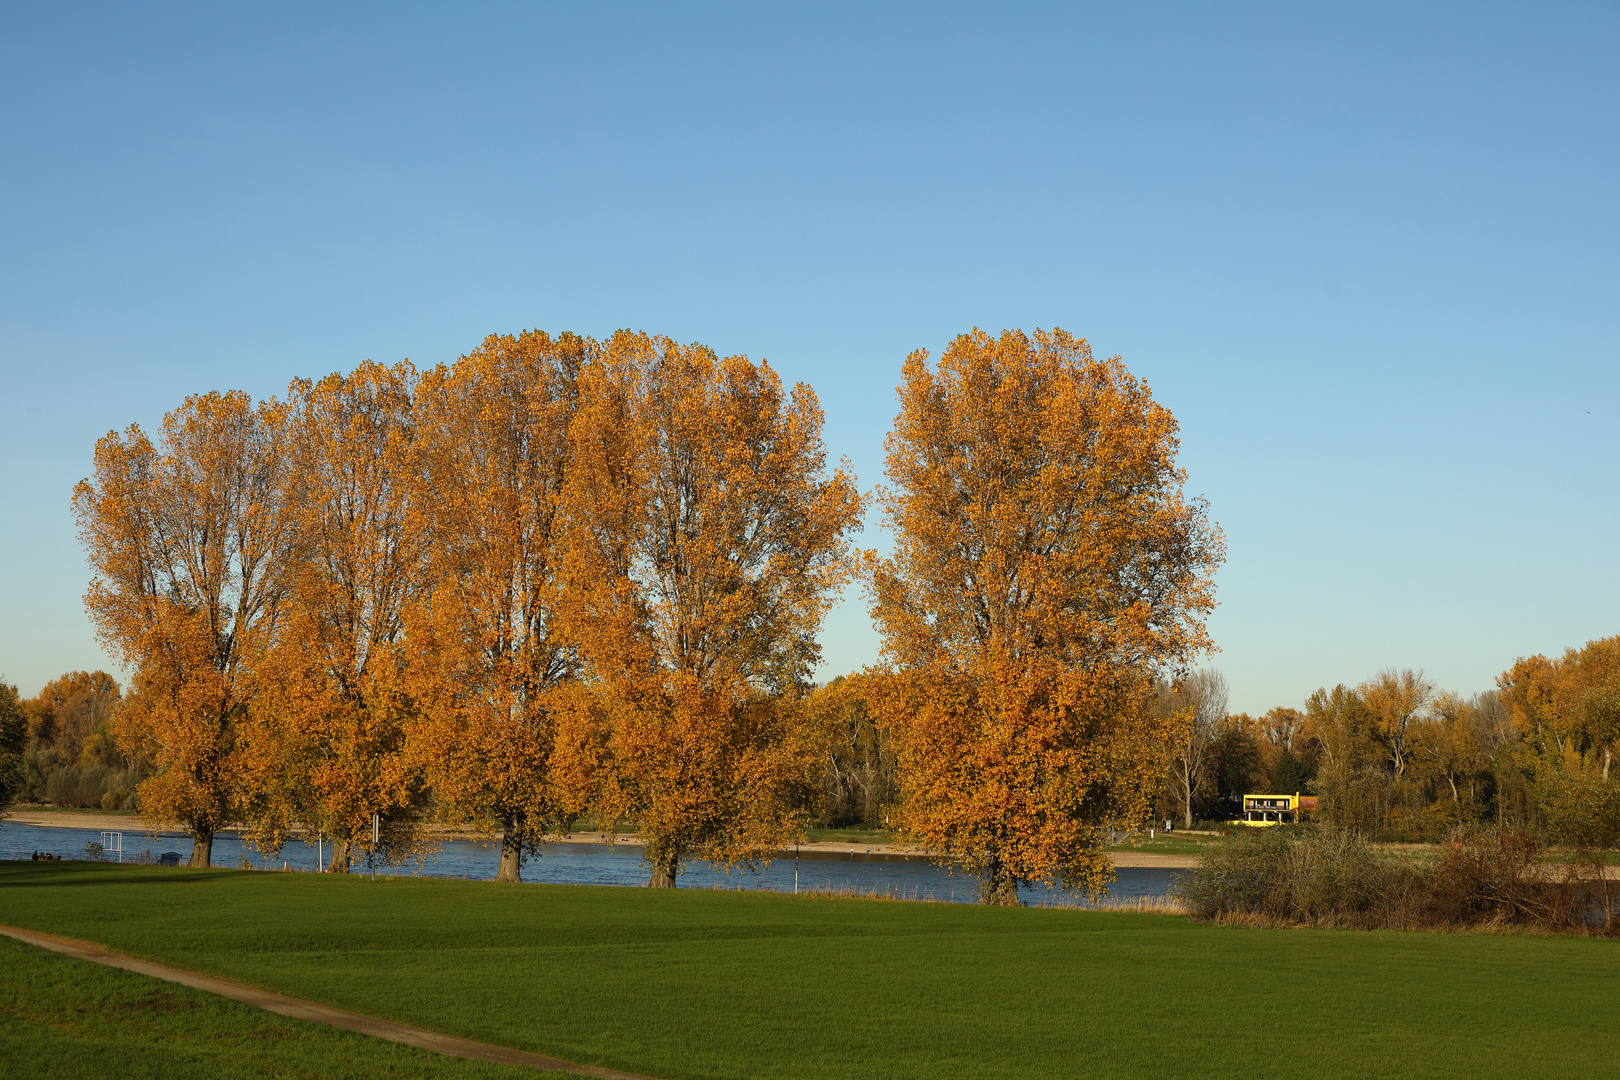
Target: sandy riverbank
column 55, row 818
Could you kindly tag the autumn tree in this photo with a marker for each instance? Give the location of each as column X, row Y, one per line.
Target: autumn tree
column 706, row 542
column 1570, row 705
column 187, row 539
column 493, row 455
column 1352, row 782
column 1200, row 698
column 72, row 757
column 330, row 721
column 1396, row 700
column 1283, row 728
column 1046, row 568
column 74, row 712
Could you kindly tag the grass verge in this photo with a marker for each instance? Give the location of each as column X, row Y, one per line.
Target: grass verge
column 690, row 983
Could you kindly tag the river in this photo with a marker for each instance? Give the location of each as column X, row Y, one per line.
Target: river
column 903, row 876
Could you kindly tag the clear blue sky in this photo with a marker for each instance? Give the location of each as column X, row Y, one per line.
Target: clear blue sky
column 1370, row 256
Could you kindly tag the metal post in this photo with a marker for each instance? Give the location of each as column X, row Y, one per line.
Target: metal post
column 371, row 856
column 795, row 868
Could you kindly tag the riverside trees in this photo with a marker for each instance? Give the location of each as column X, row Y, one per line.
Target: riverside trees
column 488, row 658
column 1047, row 567
column 190, row 542
column 329, row 718
column 556, row 573
column 705, row 547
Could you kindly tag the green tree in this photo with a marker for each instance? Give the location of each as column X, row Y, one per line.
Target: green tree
column 1291, row 775
column 13, row 737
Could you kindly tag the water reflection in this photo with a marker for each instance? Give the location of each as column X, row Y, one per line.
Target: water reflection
column 908, row 877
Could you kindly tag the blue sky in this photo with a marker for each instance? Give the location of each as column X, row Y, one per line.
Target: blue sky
column 1369, row 255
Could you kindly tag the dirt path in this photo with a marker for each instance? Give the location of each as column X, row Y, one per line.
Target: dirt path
column 309, row 1010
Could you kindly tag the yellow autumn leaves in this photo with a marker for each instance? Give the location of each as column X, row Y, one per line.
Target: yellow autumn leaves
column 1046, row 566
column 564, row 575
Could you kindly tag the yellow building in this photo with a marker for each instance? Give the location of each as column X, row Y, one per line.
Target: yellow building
column 1275, row 809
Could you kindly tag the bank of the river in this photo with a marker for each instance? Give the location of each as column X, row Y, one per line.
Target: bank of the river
column 128, row 822
column 901, row 876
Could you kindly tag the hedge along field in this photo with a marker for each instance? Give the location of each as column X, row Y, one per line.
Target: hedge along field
column 690, row 983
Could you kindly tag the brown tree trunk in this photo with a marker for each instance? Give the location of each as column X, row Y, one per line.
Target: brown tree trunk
column 342, row 852
column 202, row 849
column 511, row 868
column 664, row 870
column 1000, row 887
column 1187, row 797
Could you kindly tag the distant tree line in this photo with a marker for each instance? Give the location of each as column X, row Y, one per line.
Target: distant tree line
column 1394, row 758
column 68, row 754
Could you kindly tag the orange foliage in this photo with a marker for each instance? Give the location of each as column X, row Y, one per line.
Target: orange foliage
column 187, row 540
column 1046, row 567
column 1569, row 706
column 327, row 745
column 1395, row 701
column 704, row 546
column 489, row 661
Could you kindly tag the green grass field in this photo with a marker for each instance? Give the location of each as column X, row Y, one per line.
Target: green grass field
column 728, row 984
column 66, row 1018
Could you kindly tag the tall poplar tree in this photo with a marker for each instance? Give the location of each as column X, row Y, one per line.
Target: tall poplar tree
column 1046, row 567
column 327, row 745
column 706, row 543
column 188, row 539
column 493, row 458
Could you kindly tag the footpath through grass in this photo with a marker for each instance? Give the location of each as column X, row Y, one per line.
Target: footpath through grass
column 67, row 1018
column 729, row 984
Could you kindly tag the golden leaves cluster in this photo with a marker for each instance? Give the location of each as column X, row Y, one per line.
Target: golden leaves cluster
column 557, row 575
column 1046, row 567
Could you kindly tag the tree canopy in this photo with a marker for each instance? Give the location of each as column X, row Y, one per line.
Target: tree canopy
column 1047, row 567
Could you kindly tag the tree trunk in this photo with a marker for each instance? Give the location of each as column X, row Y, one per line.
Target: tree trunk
column 511, row 868
column 342, row 850
column 1187, row 790
column 202, row 849
column 999, row 887
column 664, row 870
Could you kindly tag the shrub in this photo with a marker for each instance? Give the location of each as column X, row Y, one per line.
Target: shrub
column 1300, row 873
column 1325, row 876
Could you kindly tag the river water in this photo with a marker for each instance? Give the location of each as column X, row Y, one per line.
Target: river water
column 902, row 876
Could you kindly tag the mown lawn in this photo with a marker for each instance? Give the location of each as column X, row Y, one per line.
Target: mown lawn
column 727, row 984
column 67, row 1018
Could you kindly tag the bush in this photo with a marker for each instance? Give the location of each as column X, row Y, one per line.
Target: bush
column 1300, row 873
column 1325, row 876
